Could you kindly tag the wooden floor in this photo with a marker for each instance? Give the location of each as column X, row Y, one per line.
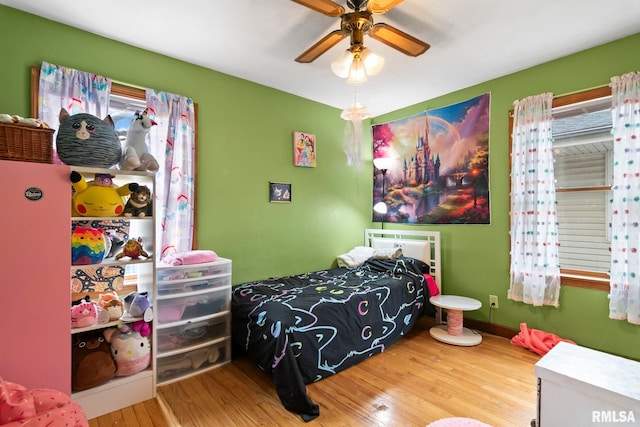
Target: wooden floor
column 414, row 382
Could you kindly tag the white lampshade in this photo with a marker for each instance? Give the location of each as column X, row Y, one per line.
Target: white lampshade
column 383, row 163
column 357, row 72
column 372, row 63
column 380, row 207
column 357, row 66
column 342, row 65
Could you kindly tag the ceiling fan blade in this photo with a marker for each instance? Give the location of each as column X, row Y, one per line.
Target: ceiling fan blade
column 326, row 7
column 326, row 43
column 399, row 40
column 378, row 7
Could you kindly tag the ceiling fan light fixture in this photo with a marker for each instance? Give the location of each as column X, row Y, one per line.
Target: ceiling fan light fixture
column 357, row 73
column 373, row 63
column 341, row 66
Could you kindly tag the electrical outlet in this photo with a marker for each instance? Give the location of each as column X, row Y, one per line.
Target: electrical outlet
column 493, row 301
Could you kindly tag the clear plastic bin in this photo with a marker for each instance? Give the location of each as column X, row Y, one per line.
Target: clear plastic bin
column 183, row 364
column 193, row 271
column 191, row 285
column 190, row 334
column 193, row 305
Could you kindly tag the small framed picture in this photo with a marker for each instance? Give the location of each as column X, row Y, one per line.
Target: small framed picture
column 304, row 150
column 279, row 192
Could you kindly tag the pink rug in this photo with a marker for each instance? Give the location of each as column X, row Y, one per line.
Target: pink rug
column 458, row 422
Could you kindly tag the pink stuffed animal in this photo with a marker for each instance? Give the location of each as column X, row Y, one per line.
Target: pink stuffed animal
column 84, row 312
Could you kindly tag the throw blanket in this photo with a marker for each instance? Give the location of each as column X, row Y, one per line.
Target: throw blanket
column 307, row 327
column 38, row 407
column 190, row 257
column 539, row 342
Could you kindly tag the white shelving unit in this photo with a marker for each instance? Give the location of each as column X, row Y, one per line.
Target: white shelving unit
column 193, row 332
column 139, row 275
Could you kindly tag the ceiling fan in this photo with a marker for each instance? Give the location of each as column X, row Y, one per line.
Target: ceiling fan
column 356, row 24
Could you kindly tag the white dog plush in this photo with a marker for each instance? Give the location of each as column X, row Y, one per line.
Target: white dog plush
column 135, row 155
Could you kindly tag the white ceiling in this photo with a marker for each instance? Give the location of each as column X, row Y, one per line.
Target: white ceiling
column 472, row 41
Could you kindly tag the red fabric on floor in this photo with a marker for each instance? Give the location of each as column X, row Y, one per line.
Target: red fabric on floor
column 538, row 341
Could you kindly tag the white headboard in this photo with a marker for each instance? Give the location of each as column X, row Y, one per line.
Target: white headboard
column 422, row 245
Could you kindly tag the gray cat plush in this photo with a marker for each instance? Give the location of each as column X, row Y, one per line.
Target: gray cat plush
column 85, row 140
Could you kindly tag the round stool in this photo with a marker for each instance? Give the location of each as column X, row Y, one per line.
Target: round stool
column 455, row 306
column 458, row 422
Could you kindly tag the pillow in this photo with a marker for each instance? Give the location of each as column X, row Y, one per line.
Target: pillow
column 355, row 257
column 387, row 253
column 433, row 286
column 419, row 249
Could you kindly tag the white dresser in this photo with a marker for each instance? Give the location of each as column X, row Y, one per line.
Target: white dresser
column 578, row 386
column 193, row 331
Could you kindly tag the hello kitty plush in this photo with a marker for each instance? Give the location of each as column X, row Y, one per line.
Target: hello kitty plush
column 130, row 350
column 136, row 155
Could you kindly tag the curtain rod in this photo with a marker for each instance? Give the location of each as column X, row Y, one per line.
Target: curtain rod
column 593, row 88
column 128, row 84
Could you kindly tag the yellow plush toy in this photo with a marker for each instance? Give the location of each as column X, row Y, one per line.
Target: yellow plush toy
column 98, row 198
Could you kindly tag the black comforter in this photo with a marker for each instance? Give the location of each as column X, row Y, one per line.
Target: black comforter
column 307, row 327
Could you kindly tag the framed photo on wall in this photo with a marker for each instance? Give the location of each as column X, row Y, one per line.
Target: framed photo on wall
column 279, row 192
column 304, row 149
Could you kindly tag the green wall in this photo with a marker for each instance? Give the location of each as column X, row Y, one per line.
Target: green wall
column 245, row 140
column 476, row 258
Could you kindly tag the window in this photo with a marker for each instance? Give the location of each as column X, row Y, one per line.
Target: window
column 583, row 154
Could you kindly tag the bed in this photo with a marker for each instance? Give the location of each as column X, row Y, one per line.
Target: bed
column 306, row 327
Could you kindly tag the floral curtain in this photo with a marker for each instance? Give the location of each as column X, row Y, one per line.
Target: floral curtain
column 624, row 296
column 172, row 142
column 76, row 91
column 534, row 269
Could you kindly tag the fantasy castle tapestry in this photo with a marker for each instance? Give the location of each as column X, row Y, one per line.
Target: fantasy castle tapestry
column 440, row 171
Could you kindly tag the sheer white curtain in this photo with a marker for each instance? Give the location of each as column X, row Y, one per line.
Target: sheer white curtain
column 534, row 269
column 624, row 296
column 172, row 142
column 76, row 91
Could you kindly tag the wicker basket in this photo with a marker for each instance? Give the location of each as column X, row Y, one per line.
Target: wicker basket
column 26, row 143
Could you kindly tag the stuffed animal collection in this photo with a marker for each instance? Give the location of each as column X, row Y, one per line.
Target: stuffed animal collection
column 98, row 198
column 101, row 198
column 88, row 141
column 110, row 307
column 123, row 350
